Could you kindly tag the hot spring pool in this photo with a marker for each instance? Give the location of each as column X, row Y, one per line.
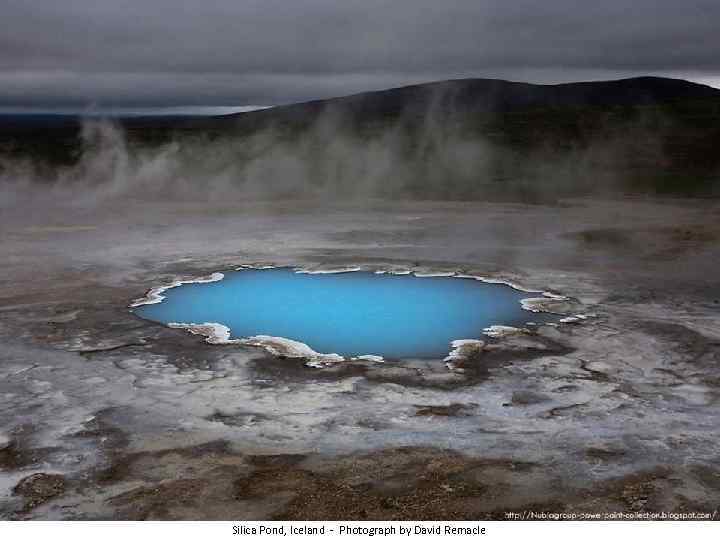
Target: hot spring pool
column 350, row 313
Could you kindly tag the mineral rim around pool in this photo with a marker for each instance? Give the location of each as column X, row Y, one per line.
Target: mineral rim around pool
column 350, row 313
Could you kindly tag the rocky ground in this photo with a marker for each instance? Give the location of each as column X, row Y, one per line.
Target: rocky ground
column 107, row 416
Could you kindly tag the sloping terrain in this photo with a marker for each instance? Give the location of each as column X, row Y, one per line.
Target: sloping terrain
column 459, row 139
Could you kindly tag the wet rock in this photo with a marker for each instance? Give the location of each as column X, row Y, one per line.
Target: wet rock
column 39, row 488
column 4, row 441
column 454, row 409
column 601, row 238
column 527, row 397
column 16, row 454
column 605, row 453
column 237, row 419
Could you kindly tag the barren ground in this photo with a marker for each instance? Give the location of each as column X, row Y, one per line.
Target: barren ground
column 106, row 416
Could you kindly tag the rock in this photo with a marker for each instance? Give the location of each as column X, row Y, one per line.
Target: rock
column 454, row 409
column 526, row 397
column 39, row 488
column 4, row 441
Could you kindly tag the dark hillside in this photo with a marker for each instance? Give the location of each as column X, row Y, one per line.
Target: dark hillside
column 458, row 138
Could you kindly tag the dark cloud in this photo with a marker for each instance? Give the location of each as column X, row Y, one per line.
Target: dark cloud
column 270, row 51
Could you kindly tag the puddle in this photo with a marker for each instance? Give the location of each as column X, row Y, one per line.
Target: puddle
column 349, row 313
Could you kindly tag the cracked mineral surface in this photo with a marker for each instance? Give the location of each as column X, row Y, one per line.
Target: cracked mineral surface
column 107, row 416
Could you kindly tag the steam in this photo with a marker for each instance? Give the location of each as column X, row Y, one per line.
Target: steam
column 430, row 156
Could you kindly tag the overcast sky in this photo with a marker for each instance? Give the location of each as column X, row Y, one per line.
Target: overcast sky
column 262, row 52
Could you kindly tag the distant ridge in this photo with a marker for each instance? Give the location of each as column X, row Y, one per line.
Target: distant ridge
column 472, row 96
column 468, row 96
column 465, row 138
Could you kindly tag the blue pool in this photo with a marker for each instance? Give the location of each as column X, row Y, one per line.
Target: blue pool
column 351, row 313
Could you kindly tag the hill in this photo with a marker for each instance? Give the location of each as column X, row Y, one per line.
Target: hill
column 452, row 139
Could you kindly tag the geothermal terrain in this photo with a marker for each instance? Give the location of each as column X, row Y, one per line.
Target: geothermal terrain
column 601, row 194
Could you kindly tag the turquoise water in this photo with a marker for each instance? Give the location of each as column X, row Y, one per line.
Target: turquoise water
column 351, row 313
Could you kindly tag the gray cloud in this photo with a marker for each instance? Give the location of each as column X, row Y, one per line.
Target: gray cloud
column 128, row 52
